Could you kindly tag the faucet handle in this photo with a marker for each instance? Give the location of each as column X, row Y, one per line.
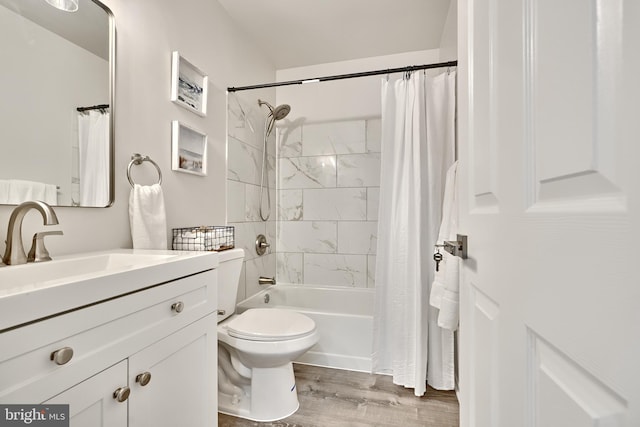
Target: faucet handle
column 38, row 251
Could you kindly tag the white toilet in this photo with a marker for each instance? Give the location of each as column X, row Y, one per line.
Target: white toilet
column 255, row 351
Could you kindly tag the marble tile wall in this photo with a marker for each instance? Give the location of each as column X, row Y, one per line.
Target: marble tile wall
column 328, row 192
column 244, row 162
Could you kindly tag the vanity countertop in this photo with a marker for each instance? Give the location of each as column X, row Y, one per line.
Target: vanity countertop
column 35, row 291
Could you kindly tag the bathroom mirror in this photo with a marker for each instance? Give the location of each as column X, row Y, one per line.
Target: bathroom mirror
column 56, row 108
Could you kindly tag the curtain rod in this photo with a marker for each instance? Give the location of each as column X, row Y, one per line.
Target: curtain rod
column 347, row 76
column 94, row 107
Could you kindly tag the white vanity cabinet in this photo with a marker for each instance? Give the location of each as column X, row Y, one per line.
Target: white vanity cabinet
column 156, row 346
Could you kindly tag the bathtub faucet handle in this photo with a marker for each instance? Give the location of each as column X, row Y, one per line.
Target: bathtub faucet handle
column 266, row 280
column 261, row 244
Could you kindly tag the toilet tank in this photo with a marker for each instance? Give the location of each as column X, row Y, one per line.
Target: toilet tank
column 228, row 278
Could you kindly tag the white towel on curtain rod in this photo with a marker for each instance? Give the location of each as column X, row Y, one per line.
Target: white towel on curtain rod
column 418, row 146
column 93, row 142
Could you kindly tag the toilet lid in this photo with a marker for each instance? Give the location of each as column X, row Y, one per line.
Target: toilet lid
column 270, row 324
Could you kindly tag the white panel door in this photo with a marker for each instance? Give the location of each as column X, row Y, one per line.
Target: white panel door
column 91, row 402
column 549, row 144
column 183, row 385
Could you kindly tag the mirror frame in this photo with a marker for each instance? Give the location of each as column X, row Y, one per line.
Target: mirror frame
column 112, row 108
column 112, row 104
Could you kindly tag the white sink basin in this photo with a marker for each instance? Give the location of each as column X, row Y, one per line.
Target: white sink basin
column 65, row 269
column 35, row 290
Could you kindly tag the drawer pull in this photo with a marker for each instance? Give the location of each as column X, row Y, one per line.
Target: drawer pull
column 62, row 356
column 178, row 307
column 122, row 394
column 143, row 378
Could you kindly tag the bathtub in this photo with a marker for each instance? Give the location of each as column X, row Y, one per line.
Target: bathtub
column 343, row 316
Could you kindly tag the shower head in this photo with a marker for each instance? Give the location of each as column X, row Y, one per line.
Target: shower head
column 279, row 112
column 275, row 113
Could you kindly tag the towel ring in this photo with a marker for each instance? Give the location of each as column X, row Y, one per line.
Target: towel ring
column 137, row 159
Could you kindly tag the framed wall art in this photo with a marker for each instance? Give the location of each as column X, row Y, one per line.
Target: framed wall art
column 188, row 85
column 188, row 149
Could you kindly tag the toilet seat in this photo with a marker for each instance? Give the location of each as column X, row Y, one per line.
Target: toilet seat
column 270, row 324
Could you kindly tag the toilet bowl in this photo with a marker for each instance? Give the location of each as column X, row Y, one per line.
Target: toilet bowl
column 256, row 350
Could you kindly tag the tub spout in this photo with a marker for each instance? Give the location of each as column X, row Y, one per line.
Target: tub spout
column 266, row 280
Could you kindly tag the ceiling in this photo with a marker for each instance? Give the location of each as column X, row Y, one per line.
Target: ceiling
column 295, row 33
column 88, row 27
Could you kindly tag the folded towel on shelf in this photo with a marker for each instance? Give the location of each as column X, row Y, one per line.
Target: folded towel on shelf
column 147, row 217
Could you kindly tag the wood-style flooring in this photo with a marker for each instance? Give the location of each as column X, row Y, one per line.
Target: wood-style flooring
column 337, row 398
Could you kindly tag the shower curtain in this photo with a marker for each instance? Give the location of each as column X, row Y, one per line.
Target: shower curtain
column 418, row 146
column 93, row 134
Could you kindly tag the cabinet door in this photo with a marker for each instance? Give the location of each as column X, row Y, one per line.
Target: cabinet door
column 91, row 403
column 182, row 390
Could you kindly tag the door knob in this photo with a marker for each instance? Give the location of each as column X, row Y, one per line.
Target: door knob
column 458, row 247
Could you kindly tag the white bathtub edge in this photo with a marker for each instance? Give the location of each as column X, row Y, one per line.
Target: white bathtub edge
column 335, row 361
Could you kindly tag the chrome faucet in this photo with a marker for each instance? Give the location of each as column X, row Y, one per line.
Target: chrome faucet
column 14, row 253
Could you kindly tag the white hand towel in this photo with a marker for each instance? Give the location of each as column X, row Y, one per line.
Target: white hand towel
column 449, row 224
column 449, row 315
column 147, row 217
column 444, row 293
column 437, row 287
column 22, row 191
column 50, row 194
column 5, row 186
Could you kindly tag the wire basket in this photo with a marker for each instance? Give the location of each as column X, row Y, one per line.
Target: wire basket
column 204, row 238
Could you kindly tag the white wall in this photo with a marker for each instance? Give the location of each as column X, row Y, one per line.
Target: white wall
column 449, row 39
column 342, row 98
column 147, row 32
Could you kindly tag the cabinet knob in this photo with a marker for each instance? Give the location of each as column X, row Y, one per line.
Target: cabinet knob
column 177, row 306
column 62, row 356
column 143, row 378
column 122, row 394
